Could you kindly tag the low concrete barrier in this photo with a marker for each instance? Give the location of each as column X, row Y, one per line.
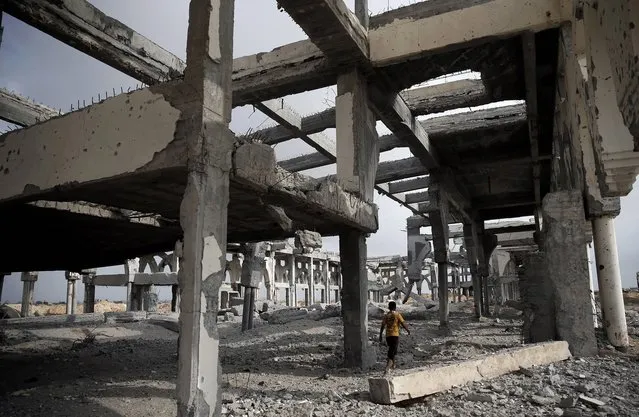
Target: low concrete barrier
column 429, row 380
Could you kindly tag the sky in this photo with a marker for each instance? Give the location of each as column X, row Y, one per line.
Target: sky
column 38, row 66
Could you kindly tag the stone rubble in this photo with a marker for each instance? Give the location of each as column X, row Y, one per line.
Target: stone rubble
column 294, row 369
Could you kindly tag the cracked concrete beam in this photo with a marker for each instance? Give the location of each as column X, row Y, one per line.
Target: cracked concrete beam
column 427, row 28
column 331, row 26
column 256, row 169
column 22, row 111
column 86, row 28
column 87, row 145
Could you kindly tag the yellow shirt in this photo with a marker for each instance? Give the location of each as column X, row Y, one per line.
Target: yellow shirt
column 392, row 320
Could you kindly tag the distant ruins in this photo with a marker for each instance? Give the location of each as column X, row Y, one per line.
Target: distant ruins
column 138, row 171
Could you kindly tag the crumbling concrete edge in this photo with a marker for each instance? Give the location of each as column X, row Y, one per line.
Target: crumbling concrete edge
column 430, row 380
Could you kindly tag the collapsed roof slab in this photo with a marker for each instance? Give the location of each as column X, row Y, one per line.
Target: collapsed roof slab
column 128, row 152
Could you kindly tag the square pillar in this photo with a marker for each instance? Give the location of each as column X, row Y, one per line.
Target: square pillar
column 2, row 275
column 471, row 241
column 357, row 352
column 439, row 225
column 88, row 279
column 327, row 282
column 28, row 288
column 72, row 279
column 204, row 208
column 564, row 230
column 292, row 281
column 132, row 267
column 311, row 281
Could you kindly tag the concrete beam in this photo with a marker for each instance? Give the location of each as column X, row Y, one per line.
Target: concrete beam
column 409, row 185
column 22, row 111
column 427, row 28
column 529, row 50
column 331, row 27
column 287, row 117
column 86, row 28
column 87, row 145
column 430, row 380
column 399, row 169
column 94, row 210
column 421, row 101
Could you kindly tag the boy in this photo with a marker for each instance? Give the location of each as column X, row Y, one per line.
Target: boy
column 391, row 322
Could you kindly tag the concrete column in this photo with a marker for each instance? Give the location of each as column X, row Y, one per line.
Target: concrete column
column 150, row 298
column 567, row 268
column 592, row 290
column 204, row 208
column 252, row 271
column 72, row 279
column 2, row 275
column 609, row 277
column 357, row 352
column 311, row 281
column 433, row 282
column 361, row 12
column 131, row 267
column 471, row 241
column 29, row 279
column 292, row 279
column 175, row 298
column 327, row 281
column 88, row 277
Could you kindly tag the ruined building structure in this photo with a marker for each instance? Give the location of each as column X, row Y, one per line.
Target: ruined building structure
column 158, row 169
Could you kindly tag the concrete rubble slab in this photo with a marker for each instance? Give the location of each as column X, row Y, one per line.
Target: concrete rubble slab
column 430, row 380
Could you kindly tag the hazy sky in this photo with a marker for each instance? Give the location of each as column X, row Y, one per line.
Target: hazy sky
column 36, row 65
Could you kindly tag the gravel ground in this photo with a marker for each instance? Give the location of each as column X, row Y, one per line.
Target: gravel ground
column 295, row 370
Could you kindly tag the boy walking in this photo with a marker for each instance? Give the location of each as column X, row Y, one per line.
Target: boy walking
column 391, row 322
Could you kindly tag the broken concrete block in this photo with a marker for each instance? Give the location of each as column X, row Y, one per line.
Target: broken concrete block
column 429, row 380
column 306, row 240
column 287, row 315
column 592, row 402
column 482, row 398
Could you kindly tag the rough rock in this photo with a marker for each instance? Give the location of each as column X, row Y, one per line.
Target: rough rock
column 7, row 312
column 287, row 315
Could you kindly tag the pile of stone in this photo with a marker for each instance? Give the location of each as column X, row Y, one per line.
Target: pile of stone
column 318, row 311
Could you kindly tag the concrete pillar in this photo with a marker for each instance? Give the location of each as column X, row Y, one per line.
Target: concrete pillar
column 252, row 271
column 567, row 268
column 88, row 277
column 537, row 299
column 609, row 277
column 29, row 279
column 131, row 267
column 593, row 302
column 175, row 298
column 311, row 280
column 433, row 282
column 327, row 281
column 204, row 207
column 150, row 298
column 361, row 12
column 292, row 280
column 439, row 226
column 72, row 279
column 269, row 275
column 357, row 352
column 471, row 241
column 2, row 275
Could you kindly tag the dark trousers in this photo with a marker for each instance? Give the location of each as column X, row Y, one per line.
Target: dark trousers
column 393, row 345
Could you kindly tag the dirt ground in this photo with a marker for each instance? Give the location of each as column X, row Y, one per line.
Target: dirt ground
column 294, row 370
